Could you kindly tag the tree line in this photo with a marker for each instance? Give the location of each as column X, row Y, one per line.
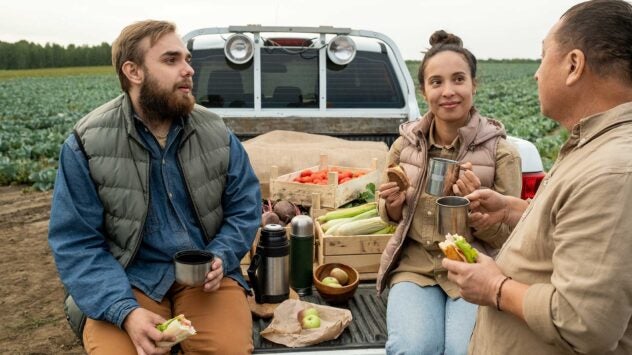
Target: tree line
column 29, row 55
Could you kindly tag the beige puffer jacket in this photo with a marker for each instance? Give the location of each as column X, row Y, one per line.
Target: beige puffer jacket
column 478, row 139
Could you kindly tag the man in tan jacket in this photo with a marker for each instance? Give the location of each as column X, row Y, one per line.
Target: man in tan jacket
column 561, row 284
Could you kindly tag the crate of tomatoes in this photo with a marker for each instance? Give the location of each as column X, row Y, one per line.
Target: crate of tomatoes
column 332, row 185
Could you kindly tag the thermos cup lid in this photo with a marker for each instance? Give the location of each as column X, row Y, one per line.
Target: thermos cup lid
column 273, row 228
column 302, row 226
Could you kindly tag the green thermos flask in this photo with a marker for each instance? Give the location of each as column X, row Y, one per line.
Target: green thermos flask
column 301, row 254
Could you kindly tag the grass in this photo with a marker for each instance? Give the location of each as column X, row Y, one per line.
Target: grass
column 70, row 71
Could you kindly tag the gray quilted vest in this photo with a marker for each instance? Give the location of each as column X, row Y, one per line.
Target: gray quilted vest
column 119, row 167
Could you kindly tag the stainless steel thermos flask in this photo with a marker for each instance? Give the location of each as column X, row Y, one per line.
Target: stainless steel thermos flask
column 269, row 268
column 301, row 254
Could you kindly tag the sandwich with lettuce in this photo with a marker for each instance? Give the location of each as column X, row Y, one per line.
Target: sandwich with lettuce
column 179, row 327
column 455, row 247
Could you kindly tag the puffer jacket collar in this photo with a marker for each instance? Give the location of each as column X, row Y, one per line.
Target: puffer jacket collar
column 470, row 135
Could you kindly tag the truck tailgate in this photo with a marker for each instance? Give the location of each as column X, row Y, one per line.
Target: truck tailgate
column 367, row 329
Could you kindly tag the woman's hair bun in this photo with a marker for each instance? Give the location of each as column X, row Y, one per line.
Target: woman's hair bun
column 441, row 37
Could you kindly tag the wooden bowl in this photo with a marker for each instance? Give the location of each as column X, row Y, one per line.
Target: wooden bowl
column 336, row 294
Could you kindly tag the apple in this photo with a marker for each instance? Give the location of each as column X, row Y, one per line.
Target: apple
column 306, row 312
column 340, row 275
column 330, row 280
column 310, row 322
column 310, row 311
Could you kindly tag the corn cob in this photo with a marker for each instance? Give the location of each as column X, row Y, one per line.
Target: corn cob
column 361, row 227
column 346, row 212
column 390, row 229
column 364, row 215
column 333, row 222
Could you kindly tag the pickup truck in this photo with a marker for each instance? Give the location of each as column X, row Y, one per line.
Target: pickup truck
column 352, row 84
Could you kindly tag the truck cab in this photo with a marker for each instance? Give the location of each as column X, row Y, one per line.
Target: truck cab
column 346, row 83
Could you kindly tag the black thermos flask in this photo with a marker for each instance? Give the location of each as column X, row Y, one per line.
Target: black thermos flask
column 301, row 254
column 269, row 268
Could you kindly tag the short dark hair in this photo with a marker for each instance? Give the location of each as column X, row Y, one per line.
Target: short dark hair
column 127, row 45
column 602, row 29
column 441, row 41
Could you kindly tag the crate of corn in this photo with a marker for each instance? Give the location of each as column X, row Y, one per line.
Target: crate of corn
column 354, row 236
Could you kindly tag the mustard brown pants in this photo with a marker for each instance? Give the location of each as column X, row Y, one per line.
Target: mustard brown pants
column 221, row 318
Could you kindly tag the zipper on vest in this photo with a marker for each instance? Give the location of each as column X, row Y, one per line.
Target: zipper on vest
column 195, row 207
column 142, row 226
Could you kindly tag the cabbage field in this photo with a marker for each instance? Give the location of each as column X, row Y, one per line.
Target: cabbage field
column 38, row 111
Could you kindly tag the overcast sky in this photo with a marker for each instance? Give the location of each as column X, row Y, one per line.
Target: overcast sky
column 489, row 28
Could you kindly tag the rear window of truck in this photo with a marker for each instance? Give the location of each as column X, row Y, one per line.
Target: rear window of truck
column 289, row 79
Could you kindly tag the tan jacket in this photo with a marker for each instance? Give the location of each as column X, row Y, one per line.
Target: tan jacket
column 478, row 141
column 573, row 245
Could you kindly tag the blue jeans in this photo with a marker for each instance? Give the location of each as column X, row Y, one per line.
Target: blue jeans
column 424, row 320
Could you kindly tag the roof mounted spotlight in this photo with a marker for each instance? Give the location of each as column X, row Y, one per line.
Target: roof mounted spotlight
column 239, row 48
column 341, row 50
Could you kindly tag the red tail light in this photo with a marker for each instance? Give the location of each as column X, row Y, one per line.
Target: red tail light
column 530, row 184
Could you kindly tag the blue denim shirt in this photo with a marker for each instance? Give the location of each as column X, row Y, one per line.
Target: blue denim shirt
column 98, row 283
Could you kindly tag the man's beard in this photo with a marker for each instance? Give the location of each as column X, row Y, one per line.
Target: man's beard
column 161, row 105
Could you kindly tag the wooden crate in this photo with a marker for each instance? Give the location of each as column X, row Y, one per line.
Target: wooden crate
column 363, row 252
column 332, row 195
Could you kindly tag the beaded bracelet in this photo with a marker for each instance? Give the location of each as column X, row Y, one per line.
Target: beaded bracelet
column 499, row 292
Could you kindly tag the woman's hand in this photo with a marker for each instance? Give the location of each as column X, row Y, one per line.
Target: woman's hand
column 394, row 199
column 468, row 182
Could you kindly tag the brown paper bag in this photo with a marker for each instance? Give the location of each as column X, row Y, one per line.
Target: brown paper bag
column 285, row 328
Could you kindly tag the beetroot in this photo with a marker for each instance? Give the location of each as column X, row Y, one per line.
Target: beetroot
column 269, row 218
column 286, row 210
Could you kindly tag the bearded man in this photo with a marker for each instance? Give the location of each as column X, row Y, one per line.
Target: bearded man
column 140, row 178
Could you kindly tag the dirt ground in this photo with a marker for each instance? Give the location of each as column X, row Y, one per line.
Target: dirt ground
column 30, row 293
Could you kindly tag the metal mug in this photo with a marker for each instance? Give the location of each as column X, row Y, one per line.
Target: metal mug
column 452, row 215
column 442, row 174
column 192, row 266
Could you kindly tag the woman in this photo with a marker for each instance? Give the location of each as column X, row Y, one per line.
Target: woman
column 424, row 313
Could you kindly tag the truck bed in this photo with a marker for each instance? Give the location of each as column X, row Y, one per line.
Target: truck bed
column 365, row 335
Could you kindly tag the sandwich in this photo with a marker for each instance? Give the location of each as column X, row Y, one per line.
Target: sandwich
column 396, row 174
column 455, row 247
column 179, row 327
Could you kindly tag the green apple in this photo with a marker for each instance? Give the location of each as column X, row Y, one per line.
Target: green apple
column 310, row 322
column 306, row 312
column 310, row 311
column 330, row 280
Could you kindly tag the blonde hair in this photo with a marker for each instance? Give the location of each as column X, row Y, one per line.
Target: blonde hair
column 127, row 46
